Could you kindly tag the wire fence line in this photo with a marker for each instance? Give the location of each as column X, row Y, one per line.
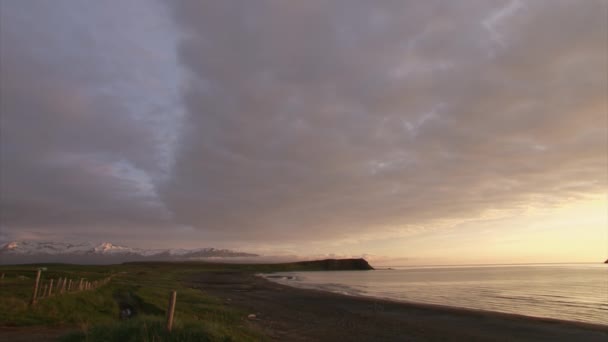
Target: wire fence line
column 63, row 285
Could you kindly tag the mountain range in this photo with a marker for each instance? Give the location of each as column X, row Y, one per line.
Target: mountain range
column 18, row 252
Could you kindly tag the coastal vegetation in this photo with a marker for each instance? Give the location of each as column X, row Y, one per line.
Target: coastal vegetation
column 133, row 304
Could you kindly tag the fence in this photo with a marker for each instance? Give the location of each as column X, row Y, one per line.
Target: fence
column 64, row 285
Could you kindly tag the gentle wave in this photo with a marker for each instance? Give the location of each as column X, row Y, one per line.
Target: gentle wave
column 575, row 292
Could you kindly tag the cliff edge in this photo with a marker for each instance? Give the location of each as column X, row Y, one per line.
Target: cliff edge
column 337, row 264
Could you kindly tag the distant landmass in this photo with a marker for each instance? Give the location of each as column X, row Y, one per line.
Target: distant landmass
column 606, row 262
column 336, row 264
column 20, row 252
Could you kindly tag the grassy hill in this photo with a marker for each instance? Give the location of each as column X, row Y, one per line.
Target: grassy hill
column 144, row 289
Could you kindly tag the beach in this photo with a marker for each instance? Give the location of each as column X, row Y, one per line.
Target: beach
column 290, row 314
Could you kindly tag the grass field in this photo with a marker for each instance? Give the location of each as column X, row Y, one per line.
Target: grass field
column 143, row 287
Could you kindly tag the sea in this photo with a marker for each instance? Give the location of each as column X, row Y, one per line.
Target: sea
column 573, row 292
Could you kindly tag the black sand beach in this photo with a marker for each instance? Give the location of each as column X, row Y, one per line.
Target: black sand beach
column 290, row 314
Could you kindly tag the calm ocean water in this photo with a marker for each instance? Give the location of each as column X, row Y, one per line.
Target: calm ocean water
column 574, row 292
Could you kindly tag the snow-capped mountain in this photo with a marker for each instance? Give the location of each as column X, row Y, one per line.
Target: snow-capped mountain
column 106, row 252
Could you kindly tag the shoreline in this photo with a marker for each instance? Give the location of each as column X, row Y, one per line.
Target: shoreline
column 438, row 306
column 284, row 312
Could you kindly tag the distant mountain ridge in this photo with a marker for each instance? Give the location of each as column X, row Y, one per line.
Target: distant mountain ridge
column 105, row 252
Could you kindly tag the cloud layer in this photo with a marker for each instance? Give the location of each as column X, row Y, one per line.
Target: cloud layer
column 297, row 121
column 83, row 112
column 322, row 119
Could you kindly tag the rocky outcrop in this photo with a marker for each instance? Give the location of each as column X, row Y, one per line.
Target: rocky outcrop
column 336, row 264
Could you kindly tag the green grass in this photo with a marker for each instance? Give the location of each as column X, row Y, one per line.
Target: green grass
column 73, row 308
column 145, row 287
column 150, row 329
column 94, row 314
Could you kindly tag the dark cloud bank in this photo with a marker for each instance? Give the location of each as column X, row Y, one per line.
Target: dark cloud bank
column 302, row 121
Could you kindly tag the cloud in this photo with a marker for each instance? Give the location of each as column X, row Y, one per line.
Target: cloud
column 330, row 119
column 282, row 122
column 82, row 147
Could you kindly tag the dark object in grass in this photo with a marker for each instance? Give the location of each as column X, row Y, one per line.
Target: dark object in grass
column 126, row 312
column 126, row 305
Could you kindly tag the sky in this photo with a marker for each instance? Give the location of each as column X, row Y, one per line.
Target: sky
column 405, row 132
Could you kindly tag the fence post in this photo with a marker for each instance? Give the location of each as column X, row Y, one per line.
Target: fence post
column 58, row 286
column 80, row 285
column 62, row 288
column 171, row 310
column 2, row 277
column 50, row 288
column 36, row 287
column 70, row 285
